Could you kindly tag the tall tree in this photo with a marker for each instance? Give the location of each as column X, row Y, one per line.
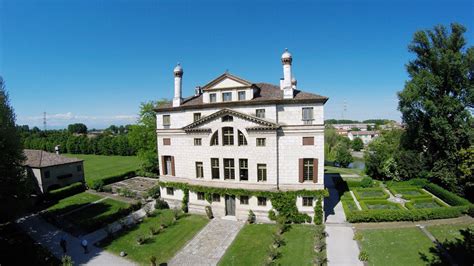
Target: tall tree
column 78, row 128
column 436, row 100
column 13, row 180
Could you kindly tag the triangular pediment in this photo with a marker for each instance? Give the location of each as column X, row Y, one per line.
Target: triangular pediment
column 257, row 122
column 225, row 81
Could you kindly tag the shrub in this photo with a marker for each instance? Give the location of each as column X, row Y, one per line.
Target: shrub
column 136, row 206
column 273, row 252
column 153, row 261
column 125, row 192
column 404, row 215
column 154, row 230
column 251, row 217
column 363, row 256
column 271, row 215
column 209, row 212
column 161, row 204
column 318, row 212
column 184, row 202
column 282, row 225
column 112, row 179
column 65, row 192
column 367, row 182
column 447, row 196
column 107, row 189
column 358, row 236
column 153, row 192
column 278, row 239
column 97, row 185
column 67, row 261
column 176, row 213
column 140, row 239
column 320, row 259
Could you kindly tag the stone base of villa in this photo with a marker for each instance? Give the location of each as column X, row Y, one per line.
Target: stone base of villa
column 233, row 207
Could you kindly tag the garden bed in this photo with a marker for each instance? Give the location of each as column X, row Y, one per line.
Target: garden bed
column 409, row 193
column 370, row 193
column 425, row 203
column 379, row 205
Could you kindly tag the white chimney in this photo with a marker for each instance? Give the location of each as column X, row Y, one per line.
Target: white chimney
column 178, row 83
column 287, row 85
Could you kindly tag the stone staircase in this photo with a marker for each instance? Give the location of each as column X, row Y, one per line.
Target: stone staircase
column 210, row 244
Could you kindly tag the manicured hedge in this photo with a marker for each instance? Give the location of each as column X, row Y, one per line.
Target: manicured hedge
column 400, row 190
column 99, row 183
column 65, row 192
column 447, row 196
column 404, row 215
column 411, row 204
column 349, row 205
column 364, row 203
column 358, row 194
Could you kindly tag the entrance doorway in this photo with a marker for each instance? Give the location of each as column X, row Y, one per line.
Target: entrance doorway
column 230, row 205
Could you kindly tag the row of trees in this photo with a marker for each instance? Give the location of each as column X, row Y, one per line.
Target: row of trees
column 337, row 148
column 436, row 106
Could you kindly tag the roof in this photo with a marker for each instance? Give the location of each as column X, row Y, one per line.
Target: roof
column 364, row 132
column 39, row 159
column 225, row 76
column 267, row 94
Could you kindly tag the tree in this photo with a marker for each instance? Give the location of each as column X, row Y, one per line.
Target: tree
column 357, row 144
column 380, row 151
column 77, row 128
column 343, row 154
column 436, row 100
column 14, row 183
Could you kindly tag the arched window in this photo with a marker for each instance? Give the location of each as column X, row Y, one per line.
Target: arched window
column 215, row 138
column 227, row 136
column 242, row 139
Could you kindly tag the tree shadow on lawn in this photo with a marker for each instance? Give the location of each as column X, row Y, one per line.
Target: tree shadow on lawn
column 461, row 250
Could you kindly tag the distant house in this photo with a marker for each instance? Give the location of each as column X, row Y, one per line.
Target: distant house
column 52, row 171
column 365, row 136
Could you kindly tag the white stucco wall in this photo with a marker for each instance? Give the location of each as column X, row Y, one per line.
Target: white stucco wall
column 58, row 170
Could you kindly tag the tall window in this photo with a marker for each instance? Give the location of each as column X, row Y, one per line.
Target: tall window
column 242, row 139
column 197, row 142
column 229, row 169
column 166, row 121
column 308, row 115
column 244, row 169
column 169, row 191
column 227, row 136
column 212, row 97
column 244, row 200
column 241, row 95
column 197, row 116
column 261, row 172
column 216, row 197
column 215, row 168
column 227, row 96
column 227, row 118
column 261, row 142
column 262, row 201
column 201, row 196
column 215, row 139
column 308, row 168
column 260, row 113
column 199, row 170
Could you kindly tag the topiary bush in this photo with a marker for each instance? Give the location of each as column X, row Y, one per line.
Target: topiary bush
column 363, row 256
column 209, row 213
column 251, row 217
column 271, row 215
column 318, row 212
column 161, row 204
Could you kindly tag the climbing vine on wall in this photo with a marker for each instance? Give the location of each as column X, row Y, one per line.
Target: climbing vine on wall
column 282, row 201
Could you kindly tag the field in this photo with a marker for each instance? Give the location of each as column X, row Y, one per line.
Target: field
column 251, row 246
column 98, row 167
column 163, row 245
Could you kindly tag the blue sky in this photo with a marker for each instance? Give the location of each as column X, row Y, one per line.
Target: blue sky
column 94, row 61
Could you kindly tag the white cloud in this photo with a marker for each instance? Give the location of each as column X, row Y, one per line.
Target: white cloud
column 61, row 120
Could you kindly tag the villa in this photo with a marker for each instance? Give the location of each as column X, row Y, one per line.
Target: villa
column 237, row 134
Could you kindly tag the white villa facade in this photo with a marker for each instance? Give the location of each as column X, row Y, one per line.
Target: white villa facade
column 237, row 134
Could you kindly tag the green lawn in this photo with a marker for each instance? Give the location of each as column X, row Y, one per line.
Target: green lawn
column 68, row 204
column 164, row 245
column 250, row 246
column 299, row 248
column 400, row 246
column 102, row 166
column 343, row 171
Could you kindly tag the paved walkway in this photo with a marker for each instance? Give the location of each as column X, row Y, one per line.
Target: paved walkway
column 341, row 248
column 209, row 245
column 49, row 236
